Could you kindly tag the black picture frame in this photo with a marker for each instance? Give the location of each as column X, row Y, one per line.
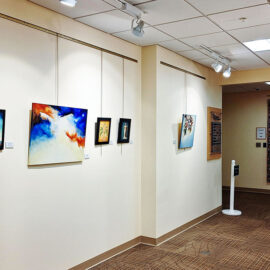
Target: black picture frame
column 98, row 140
column 3, row 113
column 122, row 123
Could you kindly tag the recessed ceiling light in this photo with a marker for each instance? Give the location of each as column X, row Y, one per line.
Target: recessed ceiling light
column 69, row 3
column 267, row 83
column 258, row 45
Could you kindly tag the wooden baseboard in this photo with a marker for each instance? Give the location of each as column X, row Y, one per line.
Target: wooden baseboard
column 108, row 254
column 143, row 240
column 148, row 241
column 187, row 225
column 249, row 190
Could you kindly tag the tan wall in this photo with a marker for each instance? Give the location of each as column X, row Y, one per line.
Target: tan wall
column 242, row 113
column 246, row 76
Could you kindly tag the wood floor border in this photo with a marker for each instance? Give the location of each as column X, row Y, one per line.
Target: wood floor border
column 143, row 240
column 249, row 190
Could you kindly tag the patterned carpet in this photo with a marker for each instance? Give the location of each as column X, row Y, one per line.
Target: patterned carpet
column 220, row 243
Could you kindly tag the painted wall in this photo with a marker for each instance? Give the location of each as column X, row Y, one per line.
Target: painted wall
column 149, row 67
column 184, row 184
column 188, row 185
column 242, row 113
column 57, row 216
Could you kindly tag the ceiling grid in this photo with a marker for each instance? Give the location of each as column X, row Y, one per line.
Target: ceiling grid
column 183, row 25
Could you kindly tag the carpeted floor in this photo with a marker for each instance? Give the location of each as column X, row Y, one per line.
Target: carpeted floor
column 219, row 243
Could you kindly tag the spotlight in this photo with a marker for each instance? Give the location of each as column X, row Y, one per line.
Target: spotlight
column 69, row 3
column 227, row 72
column 137, row 30
column 217, row 67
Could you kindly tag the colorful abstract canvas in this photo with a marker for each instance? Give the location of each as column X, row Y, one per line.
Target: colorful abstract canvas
column 2, row 128
column 57, row 134
column 124, row 130
column 103, row 130
column 187, row 131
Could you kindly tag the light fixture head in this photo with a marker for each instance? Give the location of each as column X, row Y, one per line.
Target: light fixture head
column 268, row 82
column 217, row 66
column 69, row 3
column 137, row 30
column 227, row 72
column 258, row 45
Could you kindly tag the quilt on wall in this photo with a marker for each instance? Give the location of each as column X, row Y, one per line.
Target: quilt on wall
column 57, row 134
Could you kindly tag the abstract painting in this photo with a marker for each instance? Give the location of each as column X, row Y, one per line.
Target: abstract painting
column 187, row 131
column 57, row 134
column 2, row 128
column 124, row 130
column 103, row 130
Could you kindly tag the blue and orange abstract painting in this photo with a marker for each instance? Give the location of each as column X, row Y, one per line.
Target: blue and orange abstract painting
column 57, row 134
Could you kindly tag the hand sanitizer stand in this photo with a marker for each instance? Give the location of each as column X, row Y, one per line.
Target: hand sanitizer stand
column 231, row 211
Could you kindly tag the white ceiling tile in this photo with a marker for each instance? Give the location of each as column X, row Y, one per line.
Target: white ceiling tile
column 81, row 9
column 110, row 22
column 252, row 33
column 254, row 16
column 265, row 55
column 160, row 11
column 189, row 28
column 206, row 61
column 114, row 3
column 231, row 50
column 151, row 36
column 193, row 54
column 136, row 2
column 175, row 45
column 212, row 40
column 247, row 61
column 213, row 6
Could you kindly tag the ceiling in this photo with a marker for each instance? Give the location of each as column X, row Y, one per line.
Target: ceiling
column 184, row 25
column 236, row 88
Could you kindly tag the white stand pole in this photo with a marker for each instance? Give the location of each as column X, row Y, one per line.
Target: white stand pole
column 231, row 211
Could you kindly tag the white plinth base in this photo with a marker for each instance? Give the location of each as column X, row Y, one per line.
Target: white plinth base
column 232, row 212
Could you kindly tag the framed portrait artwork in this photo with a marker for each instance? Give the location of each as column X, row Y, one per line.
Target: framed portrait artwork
column 124, row 130
column 187, row 131
column 57, row 134
column 2, row 128
column 103, row 130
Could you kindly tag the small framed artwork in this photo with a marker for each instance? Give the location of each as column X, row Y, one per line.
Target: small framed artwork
column 103, row 130
column 2, row 128
column 260, row 133
column 124, row 130
column 187, row 131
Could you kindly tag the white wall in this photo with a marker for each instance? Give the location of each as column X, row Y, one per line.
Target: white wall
column 57, row 216
column 184, row 184
column 188, row 185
